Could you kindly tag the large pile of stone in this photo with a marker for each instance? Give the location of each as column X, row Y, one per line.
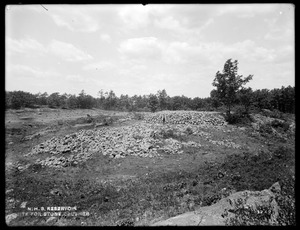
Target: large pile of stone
column 116, row 142
column 186, row 117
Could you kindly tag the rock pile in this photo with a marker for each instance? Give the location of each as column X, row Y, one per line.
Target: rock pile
column 143, row 139
column 186, row 117
column 116, row 142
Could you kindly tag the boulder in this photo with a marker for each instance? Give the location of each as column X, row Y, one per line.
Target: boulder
column 215, row 214
column 10, row 217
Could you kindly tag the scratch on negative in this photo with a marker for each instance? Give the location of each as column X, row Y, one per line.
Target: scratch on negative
column 200, row 220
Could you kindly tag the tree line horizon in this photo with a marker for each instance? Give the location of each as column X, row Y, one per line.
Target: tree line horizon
column 229, row 94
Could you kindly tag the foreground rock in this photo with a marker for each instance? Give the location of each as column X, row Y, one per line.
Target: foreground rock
column 218, row 213
column 10, row 217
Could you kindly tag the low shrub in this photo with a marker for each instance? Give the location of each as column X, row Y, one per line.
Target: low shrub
column 189, row 131
column 284, row 126
column 244, row 215
column 238, row 117
column 138, row 116
column 169, row 133
column 282, row 152
column 265, row 128
column 108, row 121
column 286, row 202
column 276, row 114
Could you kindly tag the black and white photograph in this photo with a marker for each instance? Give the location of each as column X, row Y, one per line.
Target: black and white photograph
column 150, row 114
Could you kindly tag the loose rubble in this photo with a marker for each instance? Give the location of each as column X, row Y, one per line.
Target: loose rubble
column 116, row 142
column 142, row 139
column 186, row 117
column 226, row 143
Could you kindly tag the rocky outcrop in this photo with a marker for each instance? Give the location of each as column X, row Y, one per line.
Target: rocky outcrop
column 218, row 213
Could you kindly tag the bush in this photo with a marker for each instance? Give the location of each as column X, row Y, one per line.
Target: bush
column 284, row 126
column 108, row 121
column 274, row 113
column 286, row 202
column 232, row 118
column 138, row 116
column 261, row 215
column 265, row 128
column 166, row 134
column 169, row 133
column 189, row 131
column 283, row 152
column 239, row 117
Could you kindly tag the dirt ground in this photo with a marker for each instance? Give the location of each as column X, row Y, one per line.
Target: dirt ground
column 131, row 190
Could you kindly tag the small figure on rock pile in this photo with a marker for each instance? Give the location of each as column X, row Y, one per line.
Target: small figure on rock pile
column 89, row 119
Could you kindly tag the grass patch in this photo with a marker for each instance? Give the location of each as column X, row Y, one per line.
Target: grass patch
column 258, row 172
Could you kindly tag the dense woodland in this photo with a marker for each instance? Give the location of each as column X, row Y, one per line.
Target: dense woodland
column 282, row 99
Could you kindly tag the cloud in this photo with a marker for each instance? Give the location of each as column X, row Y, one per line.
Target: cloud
column 74, row 18
column 280, row 32
column 68, row 51
column 186, row 53
column 30, row 72
column 135, row 16
column 141, row 48
column 286, row 54
column 98, row 65
column 76, row 78
column 168, row 22
column 206, row 53
column 178, row 52
column 183, row 23
column 24, row 46
column 200, row 53
column 105, row 37
column 133, row 70
column 249, row 50
column 245, row 10
column 32, row 48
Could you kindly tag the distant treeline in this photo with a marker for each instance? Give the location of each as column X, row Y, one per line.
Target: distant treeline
column 282, row 99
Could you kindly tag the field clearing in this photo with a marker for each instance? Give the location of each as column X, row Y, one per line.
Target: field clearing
column 134, row 171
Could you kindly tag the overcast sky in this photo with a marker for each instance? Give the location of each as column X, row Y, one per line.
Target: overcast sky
column 136, row 49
